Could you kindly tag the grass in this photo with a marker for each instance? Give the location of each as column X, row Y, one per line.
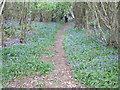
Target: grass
column 92, row 63
column 24, row 59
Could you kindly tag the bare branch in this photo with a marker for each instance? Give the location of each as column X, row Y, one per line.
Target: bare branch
column 102, row 33
column 1, row 8
column 103, row 19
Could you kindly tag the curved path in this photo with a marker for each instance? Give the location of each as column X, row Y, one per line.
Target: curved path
column 60, row 77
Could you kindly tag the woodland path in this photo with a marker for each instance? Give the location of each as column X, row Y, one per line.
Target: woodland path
column 60, row 77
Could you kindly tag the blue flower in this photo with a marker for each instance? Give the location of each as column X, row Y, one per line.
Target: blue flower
column 17, row 63
column 100, row 78
column 92, row 71
column 33, row 86
column 100, row 71
column 9, row 57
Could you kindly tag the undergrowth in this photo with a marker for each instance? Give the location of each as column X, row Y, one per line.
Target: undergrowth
column 92, row 63
column 24, row 59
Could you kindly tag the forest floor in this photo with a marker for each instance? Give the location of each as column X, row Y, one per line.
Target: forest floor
column 60, row 77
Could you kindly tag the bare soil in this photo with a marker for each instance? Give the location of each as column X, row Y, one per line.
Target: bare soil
column 60, row 77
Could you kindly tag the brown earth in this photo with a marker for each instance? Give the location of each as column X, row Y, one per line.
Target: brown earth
column 60, row 77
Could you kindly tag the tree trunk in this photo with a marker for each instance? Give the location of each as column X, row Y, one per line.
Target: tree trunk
column 87, row 24
column 118, row 18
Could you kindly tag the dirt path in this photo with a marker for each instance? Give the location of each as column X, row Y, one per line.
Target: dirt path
column 61, row 77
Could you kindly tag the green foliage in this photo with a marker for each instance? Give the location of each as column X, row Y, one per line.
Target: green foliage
column 11, row 28
column 92, row 63
column 39, row 84
column 56, row 81
column 0, row 66
column 24, row 59
column 53, row 9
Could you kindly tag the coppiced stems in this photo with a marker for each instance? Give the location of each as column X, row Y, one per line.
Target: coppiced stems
column 106, row 15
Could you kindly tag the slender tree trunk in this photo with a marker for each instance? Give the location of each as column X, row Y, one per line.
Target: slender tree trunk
column 102, row 33
column 87, row 24
column 118, row 17
column 2, row 3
